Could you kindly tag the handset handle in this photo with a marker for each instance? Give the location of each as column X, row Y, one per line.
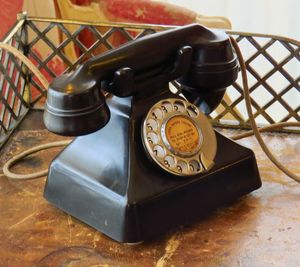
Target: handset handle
column 125, row 82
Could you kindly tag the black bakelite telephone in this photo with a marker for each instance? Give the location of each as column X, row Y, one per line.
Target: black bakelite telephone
column 147, row 159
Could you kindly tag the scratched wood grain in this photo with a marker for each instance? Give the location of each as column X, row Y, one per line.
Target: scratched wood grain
column 261, row 229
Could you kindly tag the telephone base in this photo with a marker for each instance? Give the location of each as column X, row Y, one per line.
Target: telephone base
column 131, row 208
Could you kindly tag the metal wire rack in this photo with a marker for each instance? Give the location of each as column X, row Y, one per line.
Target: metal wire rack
column 58, row 46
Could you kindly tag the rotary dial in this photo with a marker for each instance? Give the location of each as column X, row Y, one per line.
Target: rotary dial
column 179, row 138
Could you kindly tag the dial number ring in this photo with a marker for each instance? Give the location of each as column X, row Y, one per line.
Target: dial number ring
column 175, row 135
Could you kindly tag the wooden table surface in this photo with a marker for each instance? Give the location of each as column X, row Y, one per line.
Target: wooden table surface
column 260, row 229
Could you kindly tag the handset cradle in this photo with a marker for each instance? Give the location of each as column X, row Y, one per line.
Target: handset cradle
column 147, row 160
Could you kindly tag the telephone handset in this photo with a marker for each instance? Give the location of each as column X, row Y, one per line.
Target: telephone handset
column 202, row 60
column 124, row 174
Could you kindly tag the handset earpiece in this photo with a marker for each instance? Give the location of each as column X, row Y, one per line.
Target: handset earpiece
column 214, row 67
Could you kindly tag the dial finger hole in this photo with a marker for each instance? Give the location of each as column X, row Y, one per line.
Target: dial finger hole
column 192, row 111
column 182, row 166
column 169, row 161
column 179, row 106
column 194, row 166
column 152, row 125
column 159, row 151
column 152, row 138
column 166, row 107
column 157, row 114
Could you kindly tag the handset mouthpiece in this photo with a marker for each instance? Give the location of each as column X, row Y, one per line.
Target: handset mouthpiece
column 75, row 108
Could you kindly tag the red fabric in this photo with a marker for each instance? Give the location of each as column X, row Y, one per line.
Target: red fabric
column 135, row 11
column 147, row 11
column 81, row 2
column 142, row 11
column 8, row 14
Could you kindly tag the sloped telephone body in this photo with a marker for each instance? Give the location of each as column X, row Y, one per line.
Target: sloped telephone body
column 147, row 160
